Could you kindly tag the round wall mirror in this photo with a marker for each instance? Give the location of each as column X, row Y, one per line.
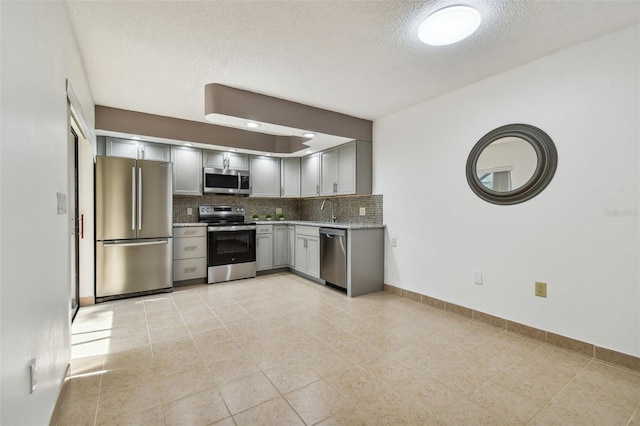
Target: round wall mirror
column 511, row 164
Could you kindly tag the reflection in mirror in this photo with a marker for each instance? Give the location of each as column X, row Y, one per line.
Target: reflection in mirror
column 506, row 164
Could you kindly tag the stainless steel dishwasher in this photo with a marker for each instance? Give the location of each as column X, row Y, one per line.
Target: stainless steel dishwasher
column 333, row 256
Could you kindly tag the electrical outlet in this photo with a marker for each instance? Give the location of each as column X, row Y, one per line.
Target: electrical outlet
column 394, row 242
column 541, row 289
column 33, row 374
column 62, row 203
column 189, row 211
column 363, row 211
column 278, row 210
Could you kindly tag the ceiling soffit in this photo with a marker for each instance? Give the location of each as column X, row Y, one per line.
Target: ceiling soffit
column 221, row 100
column 137, row 123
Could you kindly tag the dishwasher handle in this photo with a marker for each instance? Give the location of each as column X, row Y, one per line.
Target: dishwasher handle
column 333, row 232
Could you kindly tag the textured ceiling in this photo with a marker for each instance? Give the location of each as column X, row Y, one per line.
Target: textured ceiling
column 361, row 58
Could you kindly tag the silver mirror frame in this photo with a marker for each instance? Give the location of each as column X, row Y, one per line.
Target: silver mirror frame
column 545, row 168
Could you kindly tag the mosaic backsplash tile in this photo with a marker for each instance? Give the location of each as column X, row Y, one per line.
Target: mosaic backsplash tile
column 347, row 208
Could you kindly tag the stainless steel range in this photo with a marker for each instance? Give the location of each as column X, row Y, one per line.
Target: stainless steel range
column 231, row 243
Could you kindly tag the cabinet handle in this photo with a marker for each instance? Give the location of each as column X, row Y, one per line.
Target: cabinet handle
column 305, row 243
column 191, row 269
column 281, row 191
column 189, row 232
column 317, row 189
column 190, row 248
column 335, row 187
column 133, row 198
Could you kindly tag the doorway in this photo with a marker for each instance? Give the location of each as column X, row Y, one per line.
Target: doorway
column 81, row 243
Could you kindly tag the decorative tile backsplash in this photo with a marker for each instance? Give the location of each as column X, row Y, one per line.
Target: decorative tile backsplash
column 347, row 208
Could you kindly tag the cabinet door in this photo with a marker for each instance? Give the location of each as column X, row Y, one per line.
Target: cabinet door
column 187, row 170
column 265, row 177
column 154, row 151
column 215, row 159
column 313, row 256
column 309, row 179
column 329, row 172
column 237, row 161
column 280, row 245
column 346, row 169
column 301, row 253
column 291, row 246
column 290, row 177
column 264, row 252
column 121, row 148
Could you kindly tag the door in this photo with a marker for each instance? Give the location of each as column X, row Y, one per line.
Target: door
column 280, row 243
column 187, row 170
column 75, row 223
column 264, row 252
column 115, row 198
column 328, row 172
column 290, row 177
column 309, row 176
column 265, row 177
column 154, row 199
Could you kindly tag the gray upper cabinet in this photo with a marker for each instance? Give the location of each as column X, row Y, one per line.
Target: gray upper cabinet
column 310, row 175
column 265, row 176
column 140, row 150
column 226, row 160
column 187, row 170
column 346, row 169
column 290, row 177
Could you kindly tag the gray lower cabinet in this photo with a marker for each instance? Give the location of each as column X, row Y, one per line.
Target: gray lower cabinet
column 187, row 170
column 264, row 247
column 307, row 259
column 291, row 246
column 189, row 253
column 280, row 246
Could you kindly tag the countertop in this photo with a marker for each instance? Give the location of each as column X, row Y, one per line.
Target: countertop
column 338, row 225
column 299, row 222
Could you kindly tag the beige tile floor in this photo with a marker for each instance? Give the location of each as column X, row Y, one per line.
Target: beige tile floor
column 280, row 350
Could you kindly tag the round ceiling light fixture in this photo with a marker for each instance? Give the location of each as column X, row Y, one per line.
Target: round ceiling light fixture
column 309, row 135
column 449, row 25
column 253, row 124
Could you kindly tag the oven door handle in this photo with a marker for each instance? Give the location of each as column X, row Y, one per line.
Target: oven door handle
column 231, row 228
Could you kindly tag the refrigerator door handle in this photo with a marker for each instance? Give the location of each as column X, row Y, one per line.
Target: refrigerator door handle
column 133, row 198
column 140, row 199
column 131, row 244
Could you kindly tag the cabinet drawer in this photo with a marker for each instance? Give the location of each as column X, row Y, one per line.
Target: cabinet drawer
column 189, row 248
column 264, row 229
column 312, row 231
column 190, row 231
column 189, row 269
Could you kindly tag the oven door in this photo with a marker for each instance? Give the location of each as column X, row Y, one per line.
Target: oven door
column 228, row 245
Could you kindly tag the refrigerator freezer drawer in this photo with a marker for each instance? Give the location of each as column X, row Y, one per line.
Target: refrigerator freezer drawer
column 133, row 266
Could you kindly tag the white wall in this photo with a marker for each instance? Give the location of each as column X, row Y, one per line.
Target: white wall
column 581, row 235
column 38, row 55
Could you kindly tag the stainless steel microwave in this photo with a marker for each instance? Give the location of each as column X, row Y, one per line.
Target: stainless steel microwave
column 226, row 181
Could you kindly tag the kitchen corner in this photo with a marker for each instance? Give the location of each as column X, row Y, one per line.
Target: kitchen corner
column 347, row 254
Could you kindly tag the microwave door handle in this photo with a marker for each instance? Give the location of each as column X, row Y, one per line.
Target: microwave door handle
column 133, row 198
column 140, row 199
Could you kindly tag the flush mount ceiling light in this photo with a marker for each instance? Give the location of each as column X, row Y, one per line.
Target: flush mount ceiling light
column 253, row 124
column 309, row 135
column 449, row 25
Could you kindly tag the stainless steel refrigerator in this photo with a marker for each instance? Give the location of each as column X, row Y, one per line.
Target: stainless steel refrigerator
column 133, row 227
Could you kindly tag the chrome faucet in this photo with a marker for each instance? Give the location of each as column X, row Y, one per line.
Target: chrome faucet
column 333, row 215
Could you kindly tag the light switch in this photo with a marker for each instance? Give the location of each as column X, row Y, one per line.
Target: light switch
column 62, row 203
column 363, row 211
column 477, row 277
